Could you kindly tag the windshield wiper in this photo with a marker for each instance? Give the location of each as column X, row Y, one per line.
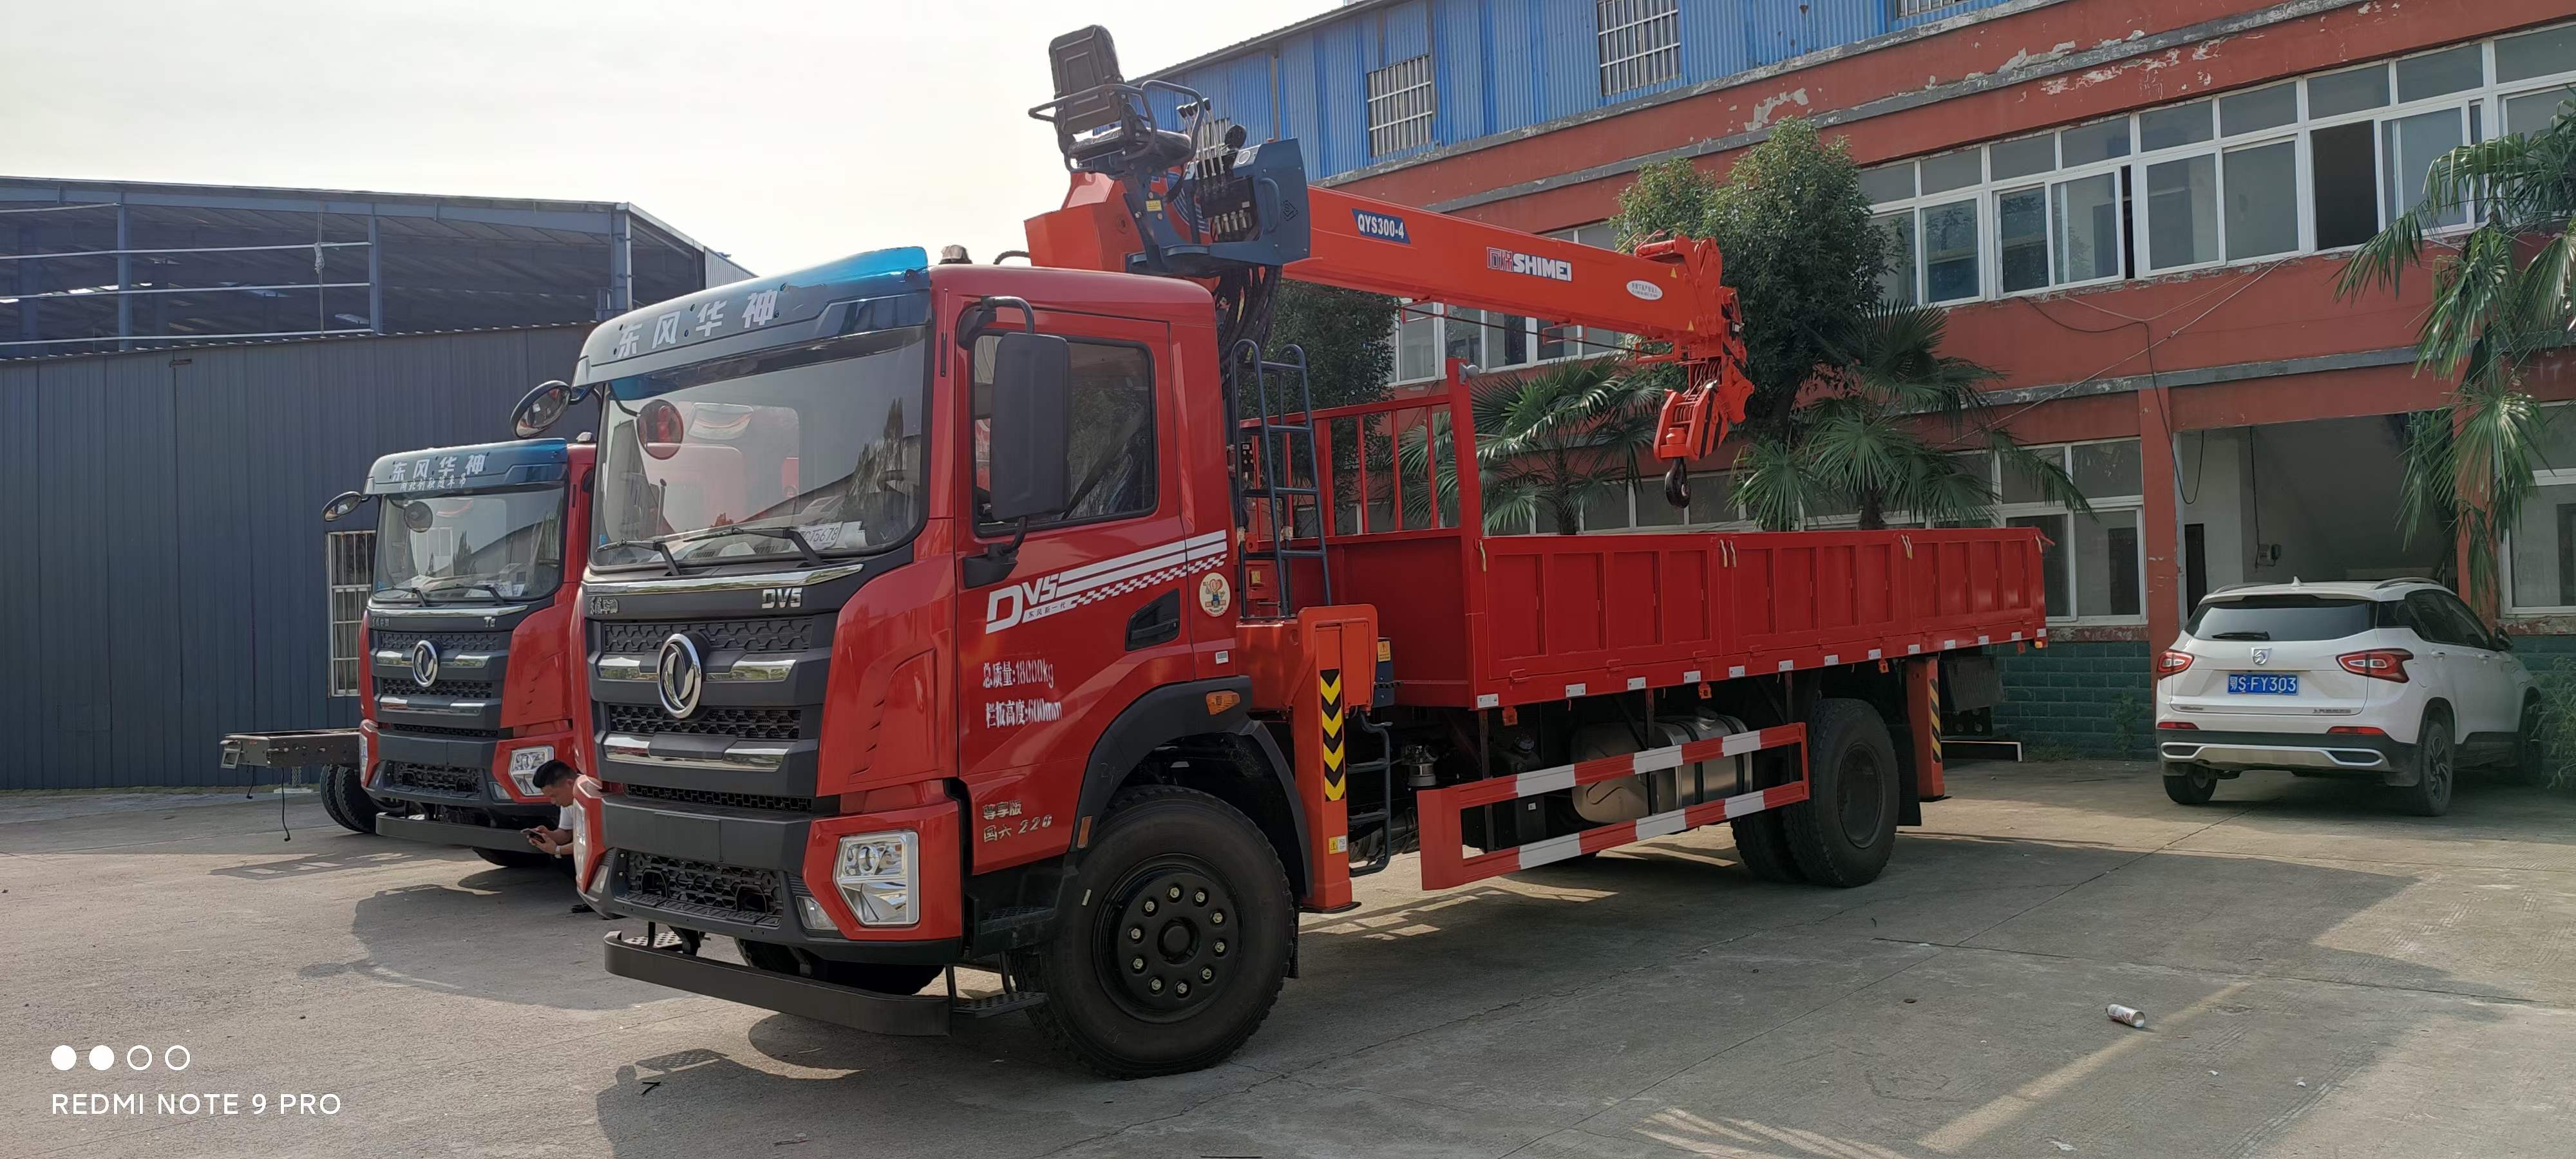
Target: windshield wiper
column 461, row 586
column 813, row 558
column 655, row 544
column 2243, row 635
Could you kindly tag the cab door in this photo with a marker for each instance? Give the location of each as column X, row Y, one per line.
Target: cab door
column 1092, row 615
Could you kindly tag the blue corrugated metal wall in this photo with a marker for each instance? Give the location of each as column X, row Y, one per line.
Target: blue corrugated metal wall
column 1500, row 65
column 163, row 582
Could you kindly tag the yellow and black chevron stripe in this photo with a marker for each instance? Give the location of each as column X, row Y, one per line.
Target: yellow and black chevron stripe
column 1328, row 686
column 1933, row 693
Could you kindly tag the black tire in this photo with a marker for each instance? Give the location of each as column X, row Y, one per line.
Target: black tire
column 1842, row 834
column 514, row 858
column 1762, row 845
column 2437, row 769
column 882, row 977
column 2189, row 784
column 2530, row 764
column 1100, row 1009
column 346, row 800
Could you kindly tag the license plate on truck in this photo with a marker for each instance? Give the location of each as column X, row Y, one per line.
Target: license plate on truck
column 2261, row 684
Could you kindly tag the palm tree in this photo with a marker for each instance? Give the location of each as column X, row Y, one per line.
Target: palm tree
column 1860, row 445
column 2468, row 467
column 1547, row 441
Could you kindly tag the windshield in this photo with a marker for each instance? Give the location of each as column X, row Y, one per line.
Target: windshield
column 811, row 449
column 486, row 547
column 2283, row 618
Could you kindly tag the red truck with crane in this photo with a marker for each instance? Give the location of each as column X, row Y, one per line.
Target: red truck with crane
column 1031, row 617
column 472, row 679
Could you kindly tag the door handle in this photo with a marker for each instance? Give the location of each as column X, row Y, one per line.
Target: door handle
column 1158, row 622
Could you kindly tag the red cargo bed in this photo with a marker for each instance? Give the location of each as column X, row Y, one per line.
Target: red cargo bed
column 1482, row 621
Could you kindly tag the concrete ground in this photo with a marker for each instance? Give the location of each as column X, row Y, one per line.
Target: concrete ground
column 2325, row 978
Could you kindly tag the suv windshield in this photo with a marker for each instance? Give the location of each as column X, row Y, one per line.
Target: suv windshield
column 2283, row 618
column 490, row 546
column 816, row 447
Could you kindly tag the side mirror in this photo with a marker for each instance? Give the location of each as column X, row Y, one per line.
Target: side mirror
column 341, row 505
column 1032, row 443
column 544, row 406
column 2503, row 643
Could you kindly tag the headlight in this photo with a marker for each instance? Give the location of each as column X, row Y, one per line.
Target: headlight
column 524, row 765
column 874, row 874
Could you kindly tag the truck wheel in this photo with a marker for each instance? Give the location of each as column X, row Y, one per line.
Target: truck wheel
column 1180, row 943
column 2189, row 784
column 2436, row 767
column 514, row 858
column 1842, row 833
column 1762, row 844
column 346, row 800
column 881, row 977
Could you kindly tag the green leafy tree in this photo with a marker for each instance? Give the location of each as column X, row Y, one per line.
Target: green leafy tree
column 1348, row 337
column 1547, row 441
column 1844, row 387
column 2502, row 293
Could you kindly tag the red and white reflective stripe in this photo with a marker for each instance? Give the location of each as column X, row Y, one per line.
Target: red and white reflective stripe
column 1443, row 859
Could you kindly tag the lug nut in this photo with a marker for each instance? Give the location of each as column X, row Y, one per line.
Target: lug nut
column 1149, row 905
column 1206, row 975
column 1201, row 898
column 1176, row 893
column 1220, row 947
column 1217, row 918
column 1137, row 964
column 1135, row 933
column 1156, row 985
column 1182, row 989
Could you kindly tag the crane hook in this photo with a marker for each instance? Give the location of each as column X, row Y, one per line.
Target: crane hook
column 1677, row 484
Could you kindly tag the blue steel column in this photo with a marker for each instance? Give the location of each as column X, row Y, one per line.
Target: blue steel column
column 124, row 276
column 621, row 262
column 375, row 276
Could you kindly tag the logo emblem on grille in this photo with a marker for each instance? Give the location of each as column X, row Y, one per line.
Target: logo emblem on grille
column 2262, row 656
column 424, row 663
column 678, row 675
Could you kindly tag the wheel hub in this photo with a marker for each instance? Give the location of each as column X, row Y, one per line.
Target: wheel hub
column 1857, row 797
column 1168, row 950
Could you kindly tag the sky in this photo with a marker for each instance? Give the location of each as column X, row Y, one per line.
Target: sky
column 784, row 133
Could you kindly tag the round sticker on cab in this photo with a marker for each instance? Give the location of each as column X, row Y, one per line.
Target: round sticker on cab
column 1215, row 594
column 1645, row 291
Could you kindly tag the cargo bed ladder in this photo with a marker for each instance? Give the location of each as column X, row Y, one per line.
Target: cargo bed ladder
column 1276, row 449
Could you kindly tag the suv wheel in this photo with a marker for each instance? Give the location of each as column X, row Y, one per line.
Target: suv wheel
column 2189, row 784
column 2436, row 767
column 2531, row 744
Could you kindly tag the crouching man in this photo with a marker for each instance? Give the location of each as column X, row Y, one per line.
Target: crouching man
column 563, row 789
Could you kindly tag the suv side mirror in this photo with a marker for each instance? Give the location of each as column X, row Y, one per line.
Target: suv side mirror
column 1031, row 442
column 2503, row 643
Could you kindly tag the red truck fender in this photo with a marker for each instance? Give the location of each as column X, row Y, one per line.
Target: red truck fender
column 1266, row 792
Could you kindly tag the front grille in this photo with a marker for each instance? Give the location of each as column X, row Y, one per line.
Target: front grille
column 391, row 637
column 739, row 723
column 446, row 780
column 736, row 800
column 730, row 893
column 453, row 689
column 767, row 634
column 440, row 730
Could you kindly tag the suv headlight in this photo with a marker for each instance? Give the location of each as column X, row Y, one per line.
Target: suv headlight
column 524, row 764
column 874, row 874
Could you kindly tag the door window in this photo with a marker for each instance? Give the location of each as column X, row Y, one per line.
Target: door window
column 1111, row 471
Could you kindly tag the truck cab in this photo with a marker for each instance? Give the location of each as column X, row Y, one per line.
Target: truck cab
column 471, row 641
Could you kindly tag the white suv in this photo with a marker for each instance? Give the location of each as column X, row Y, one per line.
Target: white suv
column 2395, row 680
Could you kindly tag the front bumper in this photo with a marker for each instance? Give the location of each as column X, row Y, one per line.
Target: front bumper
column 459, row 833
column 765, row 860
column 2321, row 752
column 672, row 966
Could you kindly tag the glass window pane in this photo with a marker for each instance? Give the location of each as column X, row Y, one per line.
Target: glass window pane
column 2544, row 549
column 1976, row 465
column 1652, row 510
column 2342, row 160
column 2024, row 157
column 1950, row 251
column 1888, row 182
column 2052, row 560
column 2435, row 74
column 2532, row 112
column 1464, row 332
column 1605, row 508
column 2536, row 54
column 2021, row 232
column 2556, row 448
column 2100, row 141
column 2407, row 157
column 2263, row 200
column 2088, row 228
column 2179, row 125
column 2020, row 486
column 1953, row 171
column 1509, row 339
column 2107, row 470
column 2348, row 92
column 2261, row 109
column 2107, row 566
column 1896, row 284
column 1417, row 351
column 1712, row 498
column 2182, row 212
